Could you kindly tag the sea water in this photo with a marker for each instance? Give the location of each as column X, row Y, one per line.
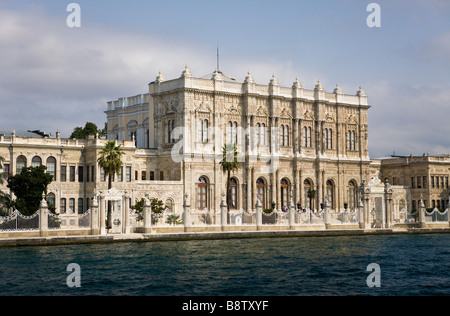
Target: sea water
column 409, row 264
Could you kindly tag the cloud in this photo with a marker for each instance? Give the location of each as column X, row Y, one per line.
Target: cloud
column 408, row 119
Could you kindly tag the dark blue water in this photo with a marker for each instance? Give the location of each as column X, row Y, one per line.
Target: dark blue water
column 410, row 265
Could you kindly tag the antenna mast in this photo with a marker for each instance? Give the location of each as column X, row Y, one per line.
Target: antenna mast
column 217, row 55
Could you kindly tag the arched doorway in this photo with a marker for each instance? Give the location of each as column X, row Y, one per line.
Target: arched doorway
column 309, row 193
column 233, row 193
column 202, row 193
column 284, row 193
column 261, row 191
column 330, row 193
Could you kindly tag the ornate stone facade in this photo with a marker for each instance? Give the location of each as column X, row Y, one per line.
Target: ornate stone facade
column 291, row 142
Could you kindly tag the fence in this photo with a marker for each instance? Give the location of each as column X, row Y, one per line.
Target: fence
column 436, row 216
column 18, row 222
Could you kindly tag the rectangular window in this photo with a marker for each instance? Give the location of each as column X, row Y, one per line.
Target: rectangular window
column 88, row 174
column 93, row 173
column 161, row 175
column 121, row 174
column 72, row 205
column 63, row 173
column 152, row 175
column 446, row 182
column 419, row 182
column 102, row 174
column 80, row 206
column 413, row 205
column 442, row 182
column 144, row 175
column 62, row 206
column 128, row 174
column 6, row 168
column 80, row 174
column 72, row 173
column 433, row 204
column 413, row 183
column 425, row 182
column 432, row 182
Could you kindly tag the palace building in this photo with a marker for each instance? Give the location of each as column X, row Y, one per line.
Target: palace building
column 294, row 145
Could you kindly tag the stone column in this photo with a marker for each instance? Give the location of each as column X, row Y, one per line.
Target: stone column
column 292, row 209
column 223, row 213
column 94, row 216
column 126, row 217
column 258, row 214
column 43, row 218
column 326, row 214
column 147, row 216
column 102, row 216
column 422, row 222
column 361, row 211
column 186, row 213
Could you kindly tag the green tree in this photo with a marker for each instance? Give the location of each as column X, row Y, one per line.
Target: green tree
column 4, row 198
column 110, row 161
column 29, row 187
column 88, row 129
column 229, row 164
column 156, row 205
column 311, row 195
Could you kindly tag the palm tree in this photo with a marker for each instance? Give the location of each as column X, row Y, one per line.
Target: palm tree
column 228, row 166
column 111, row 161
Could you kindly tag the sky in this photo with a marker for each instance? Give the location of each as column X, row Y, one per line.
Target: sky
column 55, row 78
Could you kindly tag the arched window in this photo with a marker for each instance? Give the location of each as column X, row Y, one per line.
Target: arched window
column 205, row 131
column 169, row 205
column 330, row 139
column 286, row 136
column 21, row 163
column 132, row 131
column 232, row 133
column 330, row 192
column 352, row 195
column 51, row 198
column 282, row 135
column 307, row 186
column 351, row 143
column 258, row 134
column 262, row 135
column 202, row 194
column 51, row 167
column 284, row 193
column 233, row 193
column 307, row 136
column 36, row 162
column 261, row 191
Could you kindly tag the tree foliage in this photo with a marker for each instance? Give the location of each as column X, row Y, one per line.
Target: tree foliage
column 229, row 164
column 29, row 187
column 88, row 129
column 110, row 160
